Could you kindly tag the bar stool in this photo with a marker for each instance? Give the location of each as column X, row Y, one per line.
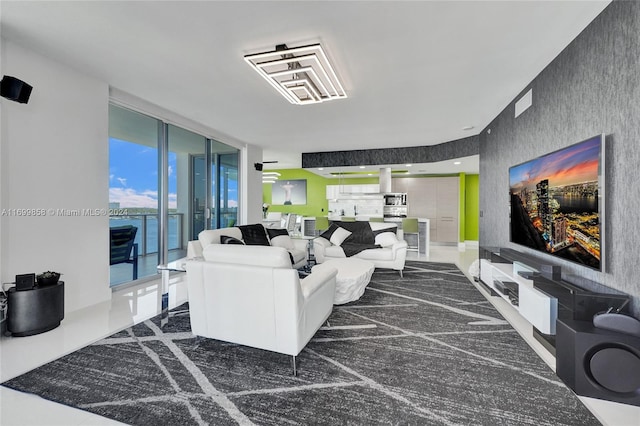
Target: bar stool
column 410, row 227
column 322, row 224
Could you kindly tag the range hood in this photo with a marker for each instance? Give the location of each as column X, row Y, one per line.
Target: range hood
column 385, row 180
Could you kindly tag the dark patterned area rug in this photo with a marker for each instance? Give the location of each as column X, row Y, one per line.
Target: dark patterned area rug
column 424, row 350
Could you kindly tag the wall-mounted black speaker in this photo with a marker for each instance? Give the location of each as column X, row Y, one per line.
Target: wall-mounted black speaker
column 258, row 166
column 15, row 89
column 598, row 363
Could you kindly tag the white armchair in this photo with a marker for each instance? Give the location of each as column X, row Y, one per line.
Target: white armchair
column 250, row 295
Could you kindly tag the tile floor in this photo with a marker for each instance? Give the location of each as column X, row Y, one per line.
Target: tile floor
column 137, row 303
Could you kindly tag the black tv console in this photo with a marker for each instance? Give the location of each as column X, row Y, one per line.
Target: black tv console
column 575, row 303
column 554, row 297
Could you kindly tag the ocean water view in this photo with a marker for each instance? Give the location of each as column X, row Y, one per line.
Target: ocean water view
column 151, row 245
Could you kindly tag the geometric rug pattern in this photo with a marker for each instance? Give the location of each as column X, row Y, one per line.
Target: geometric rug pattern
column 426, row 349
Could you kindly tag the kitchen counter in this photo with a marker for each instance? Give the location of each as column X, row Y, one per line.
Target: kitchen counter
column 362, row 218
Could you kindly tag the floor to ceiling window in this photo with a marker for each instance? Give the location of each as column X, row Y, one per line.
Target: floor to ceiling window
column 224, row 188
column 144, row 151
column 184, row 145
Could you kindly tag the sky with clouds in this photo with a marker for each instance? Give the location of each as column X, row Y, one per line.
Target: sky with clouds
column 577, row 163
column 133, row 176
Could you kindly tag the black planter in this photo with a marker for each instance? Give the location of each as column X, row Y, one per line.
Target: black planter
column 45, row 281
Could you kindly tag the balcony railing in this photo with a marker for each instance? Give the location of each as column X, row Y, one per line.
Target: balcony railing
column 147, row 235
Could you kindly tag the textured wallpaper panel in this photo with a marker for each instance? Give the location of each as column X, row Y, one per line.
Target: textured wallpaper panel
column 415, row 154
column 592, row 87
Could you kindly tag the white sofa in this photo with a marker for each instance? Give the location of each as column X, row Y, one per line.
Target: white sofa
column 250, row 295
column 391, row 255
column 297, row 247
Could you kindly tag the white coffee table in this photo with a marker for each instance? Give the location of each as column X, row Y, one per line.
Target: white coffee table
column 352, row 279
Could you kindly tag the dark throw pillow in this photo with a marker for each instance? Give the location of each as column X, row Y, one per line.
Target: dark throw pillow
column 254, row 235
column 225, row 239
column 276, row 232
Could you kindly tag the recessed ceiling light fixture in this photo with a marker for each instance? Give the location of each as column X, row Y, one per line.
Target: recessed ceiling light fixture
column 303, row 75
column 457, row 163
column 270, row 177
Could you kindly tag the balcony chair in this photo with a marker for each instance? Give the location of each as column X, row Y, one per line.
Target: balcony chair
column 410, row 227
column 122, row 244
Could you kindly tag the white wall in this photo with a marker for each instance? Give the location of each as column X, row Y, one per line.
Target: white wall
column 54, row 155
column 251, row 186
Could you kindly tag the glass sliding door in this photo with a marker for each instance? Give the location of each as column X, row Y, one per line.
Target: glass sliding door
column 187, row 188
column 220, row 181
column 228, row 188
column 170, row 184
column 133, row 190
column 199, row 201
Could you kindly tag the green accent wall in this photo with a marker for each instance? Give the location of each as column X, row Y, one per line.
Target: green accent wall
column 472, row 208
column 462, row 206
column 317, row 204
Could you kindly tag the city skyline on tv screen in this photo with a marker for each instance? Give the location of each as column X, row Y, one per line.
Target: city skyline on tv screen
column 555, row 206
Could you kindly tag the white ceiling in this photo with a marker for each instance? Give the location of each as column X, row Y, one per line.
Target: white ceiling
column 416, row 73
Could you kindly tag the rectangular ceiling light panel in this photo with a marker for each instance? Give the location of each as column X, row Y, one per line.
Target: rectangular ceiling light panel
column 303, row 75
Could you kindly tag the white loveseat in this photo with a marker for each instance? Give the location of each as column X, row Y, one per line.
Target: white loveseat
column 250, row 295
column 297, row 247
column 392, row 253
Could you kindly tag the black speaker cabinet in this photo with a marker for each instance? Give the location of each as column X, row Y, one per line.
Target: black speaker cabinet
column 15, row 89
column 35, row 311
column 598, row 363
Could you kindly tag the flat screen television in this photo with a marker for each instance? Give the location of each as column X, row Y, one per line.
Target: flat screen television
column 557, row 203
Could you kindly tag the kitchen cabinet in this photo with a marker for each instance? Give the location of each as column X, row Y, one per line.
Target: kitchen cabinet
column 447, row 210
column 436, row 199
column 335, row 192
